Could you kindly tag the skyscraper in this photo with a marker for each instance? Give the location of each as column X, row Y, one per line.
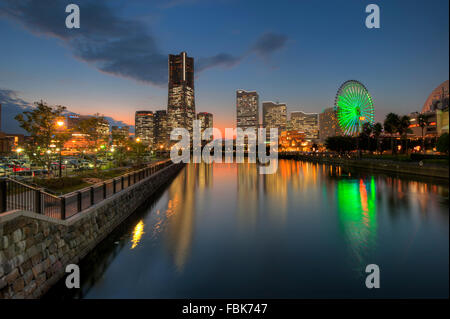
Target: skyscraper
column 144, row 127
column 247, row 106
column 181, row 100
column 161, row 132
column 206, row 120
column 328, row 124
column 274, row 116
column 307, row 123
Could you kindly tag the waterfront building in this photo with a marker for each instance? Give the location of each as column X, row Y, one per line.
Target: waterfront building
column 181, row 99
column 293, row 141
column 247, row 110
column 274, row 116
column 305, row 122
column 144, row 127
column 161, row 132
column 429, row 130
column 328, row 124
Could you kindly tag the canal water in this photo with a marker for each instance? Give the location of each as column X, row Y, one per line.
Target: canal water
column 308, row 231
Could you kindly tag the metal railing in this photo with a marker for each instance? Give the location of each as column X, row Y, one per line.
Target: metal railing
column 16, row 195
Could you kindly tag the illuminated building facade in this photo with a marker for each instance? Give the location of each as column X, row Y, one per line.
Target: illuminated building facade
column 438, row 99
column 328, row 124
column 181, row 100
column 161, row 132
column 206, row 120
column 293, row 141
column 274, row 116
column 144, row 127
column 430, row 129
column 247, row 105
column 305, row 122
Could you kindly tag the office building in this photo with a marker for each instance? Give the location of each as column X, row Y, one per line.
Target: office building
column 161, row 132
column 181, row 100
column 247, row 105
column 274, row 116
column 328, row 124
column 305, row 122
column 206, row 120
column 144, row 127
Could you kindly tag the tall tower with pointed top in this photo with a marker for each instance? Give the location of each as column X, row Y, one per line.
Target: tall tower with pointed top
column 181, row 99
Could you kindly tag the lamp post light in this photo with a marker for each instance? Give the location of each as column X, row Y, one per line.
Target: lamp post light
column 60, row 125
column 18, row 150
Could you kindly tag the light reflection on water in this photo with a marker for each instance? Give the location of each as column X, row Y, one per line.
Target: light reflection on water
column 308, row 231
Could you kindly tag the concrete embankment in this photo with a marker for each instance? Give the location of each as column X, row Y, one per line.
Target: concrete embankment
column 396, row 167
column 35, row 249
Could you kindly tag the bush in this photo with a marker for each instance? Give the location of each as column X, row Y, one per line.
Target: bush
column 442, row 143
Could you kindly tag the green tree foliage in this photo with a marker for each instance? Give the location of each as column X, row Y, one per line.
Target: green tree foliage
column 41, row 124
column 442, row 143
column 377, row 130
column 423, row 122
column 96, row 140
column 391, row 125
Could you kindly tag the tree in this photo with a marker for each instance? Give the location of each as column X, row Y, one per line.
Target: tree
column 403, row 129
column 96, row 139
column 377, row 130
column 340, row 144
column 121, row 146
column 391, row 124
column 41, row 124
column 138, row 149
column 423, row 122
column 442, row 143
column 367, row 130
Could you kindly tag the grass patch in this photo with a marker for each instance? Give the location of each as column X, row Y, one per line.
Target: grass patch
column 61, row 185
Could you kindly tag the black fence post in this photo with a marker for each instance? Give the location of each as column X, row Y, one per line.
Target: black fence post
column 122, row 182
column 63, row 208
column 104, row 190
column 79, row 199
column 92, row 195
column 3, row 195
column 37, row 201
column 114, row 186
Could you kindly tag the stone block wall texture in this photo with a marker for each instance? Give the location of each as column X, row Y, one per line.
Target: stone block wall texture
column 35, row 249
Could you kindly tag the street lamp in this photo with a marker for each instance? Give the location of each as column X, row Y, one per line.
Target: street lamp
column 60, row 125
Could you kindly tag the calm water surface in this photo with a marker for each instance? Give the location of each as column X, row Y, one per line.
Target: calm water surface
column 308, row 231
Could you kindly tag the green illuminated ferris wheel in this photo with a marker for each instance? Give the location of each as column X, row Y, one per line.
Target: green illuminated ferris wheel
column 353, row 106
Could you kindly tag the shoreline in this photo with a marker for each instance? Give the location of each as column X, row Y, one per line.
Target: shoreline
column 440, row 172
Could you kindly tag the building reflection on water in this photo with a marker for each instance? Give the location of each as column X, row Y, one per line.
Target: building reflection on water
column 348, row 211
column 177, row 222
column 353, row 196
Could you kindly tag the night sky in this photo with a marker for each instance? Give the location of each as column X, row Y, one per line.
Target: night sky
column 297, row 52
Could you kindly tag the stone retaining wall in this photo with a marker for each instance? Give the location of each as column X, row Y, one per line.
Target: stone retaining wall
column 35, row 249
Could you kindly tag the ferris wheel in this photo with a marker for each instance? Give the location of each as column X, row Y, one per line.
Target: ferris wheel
column 354, row 107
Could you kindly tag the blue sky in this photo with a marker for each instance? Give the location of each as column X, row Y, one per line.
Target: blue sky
column 298, row 52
